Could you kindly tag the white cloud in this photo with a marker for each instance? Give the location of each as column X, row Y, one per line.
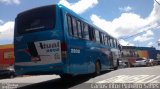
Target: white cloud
column 81, row 6
column 126, row 24
column 155, row 14
column 125, row 43
column 7, row 31
column 150, row 44
column 130, row 23
column 10, row 1
column 125, row 9
column 148, row 33
column 145, row 37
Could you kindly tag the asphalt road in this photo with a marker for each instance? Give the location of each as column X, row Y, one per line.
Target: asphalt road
column 121, row 78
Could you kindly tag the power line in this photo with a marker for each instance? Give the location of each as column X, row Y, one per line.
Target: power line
column 157, row 2
column 139, row 32
column 132, row 35
column 136, row 34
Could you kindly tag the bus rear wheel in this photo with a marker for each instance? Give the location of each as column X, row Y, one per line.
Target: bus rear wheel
column 97, row 68
column 117, row 65
column 66, row 76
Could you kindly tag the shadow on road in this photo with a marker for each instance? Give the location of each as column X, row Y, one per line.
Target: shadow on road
column 60, row 83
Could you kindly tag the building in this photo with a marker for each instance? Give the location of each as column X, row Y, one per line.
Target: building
column 131, row 53
column 6, row 59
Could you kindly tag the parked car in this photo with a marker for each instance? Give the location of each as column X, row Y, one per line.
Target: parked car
column 140, row 62
column 7, row 71
column 122, row 64
column 156, row 62
column 151, row 62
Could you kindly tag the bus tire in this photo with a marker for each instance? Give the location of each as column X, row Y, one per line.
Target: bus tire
column 116, row 67
column 66, row 76
column 97, row 68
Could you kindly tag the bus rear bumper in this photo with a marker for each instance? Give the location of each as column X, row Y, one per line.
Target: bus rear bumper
column 39, row 69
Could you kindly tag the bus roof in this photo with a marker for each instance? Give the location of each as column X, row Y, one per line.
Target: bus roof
column 86, row 21
column 72, row 13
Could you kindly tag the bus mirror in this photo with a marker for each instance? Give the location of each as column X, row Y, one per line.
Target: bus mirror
column 120, row 47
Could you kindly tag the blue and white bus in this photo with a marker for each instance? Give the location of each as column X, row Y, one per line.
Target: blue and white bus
column 54, row 40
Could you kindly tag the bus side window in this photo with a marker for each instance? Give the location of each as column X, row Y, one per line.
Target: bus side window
column 105, row 40
column 82, row 27
column 113, row 43
column 74, row 25
column 91, row 34
column 116, row 43
column 70, row 30
column 97, row 36
column 85, row 31
column 110, row 42
column 79, row 29
column 102, row 38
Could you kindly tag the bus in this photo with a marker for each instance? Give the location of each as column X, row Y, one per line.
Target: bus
column 7, row 60
column 54, row 40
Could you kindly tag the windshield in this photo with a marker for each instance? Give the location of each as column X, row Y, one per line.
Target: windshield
column 37, row 19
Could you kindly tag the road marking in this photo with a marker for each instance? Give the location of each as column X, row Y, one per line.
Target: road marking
column 145, row 79
column 132, row 79
column 154, row 79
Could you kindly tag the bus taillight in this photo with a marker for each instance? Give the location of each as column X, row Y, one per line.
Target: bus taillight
column 63, row 50
column 63, row 46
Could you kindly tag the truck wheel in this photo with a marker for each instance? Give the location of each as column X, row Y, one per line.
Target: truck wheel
column 12, row 75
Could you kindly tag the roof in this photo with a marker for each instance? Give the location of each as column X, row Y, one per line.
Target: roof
column 138, row 48
column 6, row 46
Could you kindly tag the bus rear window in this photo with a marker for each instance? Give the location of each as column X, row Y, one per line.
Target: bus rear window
column 38, row 19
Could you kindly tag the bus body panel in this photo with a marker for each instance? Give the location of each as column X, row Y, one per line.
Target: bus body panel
column 75, row 61
column 27, row 45
column 83, row 54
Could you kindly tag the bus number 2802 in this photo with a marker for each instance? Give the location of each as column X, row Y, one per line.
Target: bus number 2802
column 75, row 51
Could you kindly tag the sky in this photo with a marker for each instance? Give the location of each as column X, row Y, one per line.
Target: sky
column 132, row 22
